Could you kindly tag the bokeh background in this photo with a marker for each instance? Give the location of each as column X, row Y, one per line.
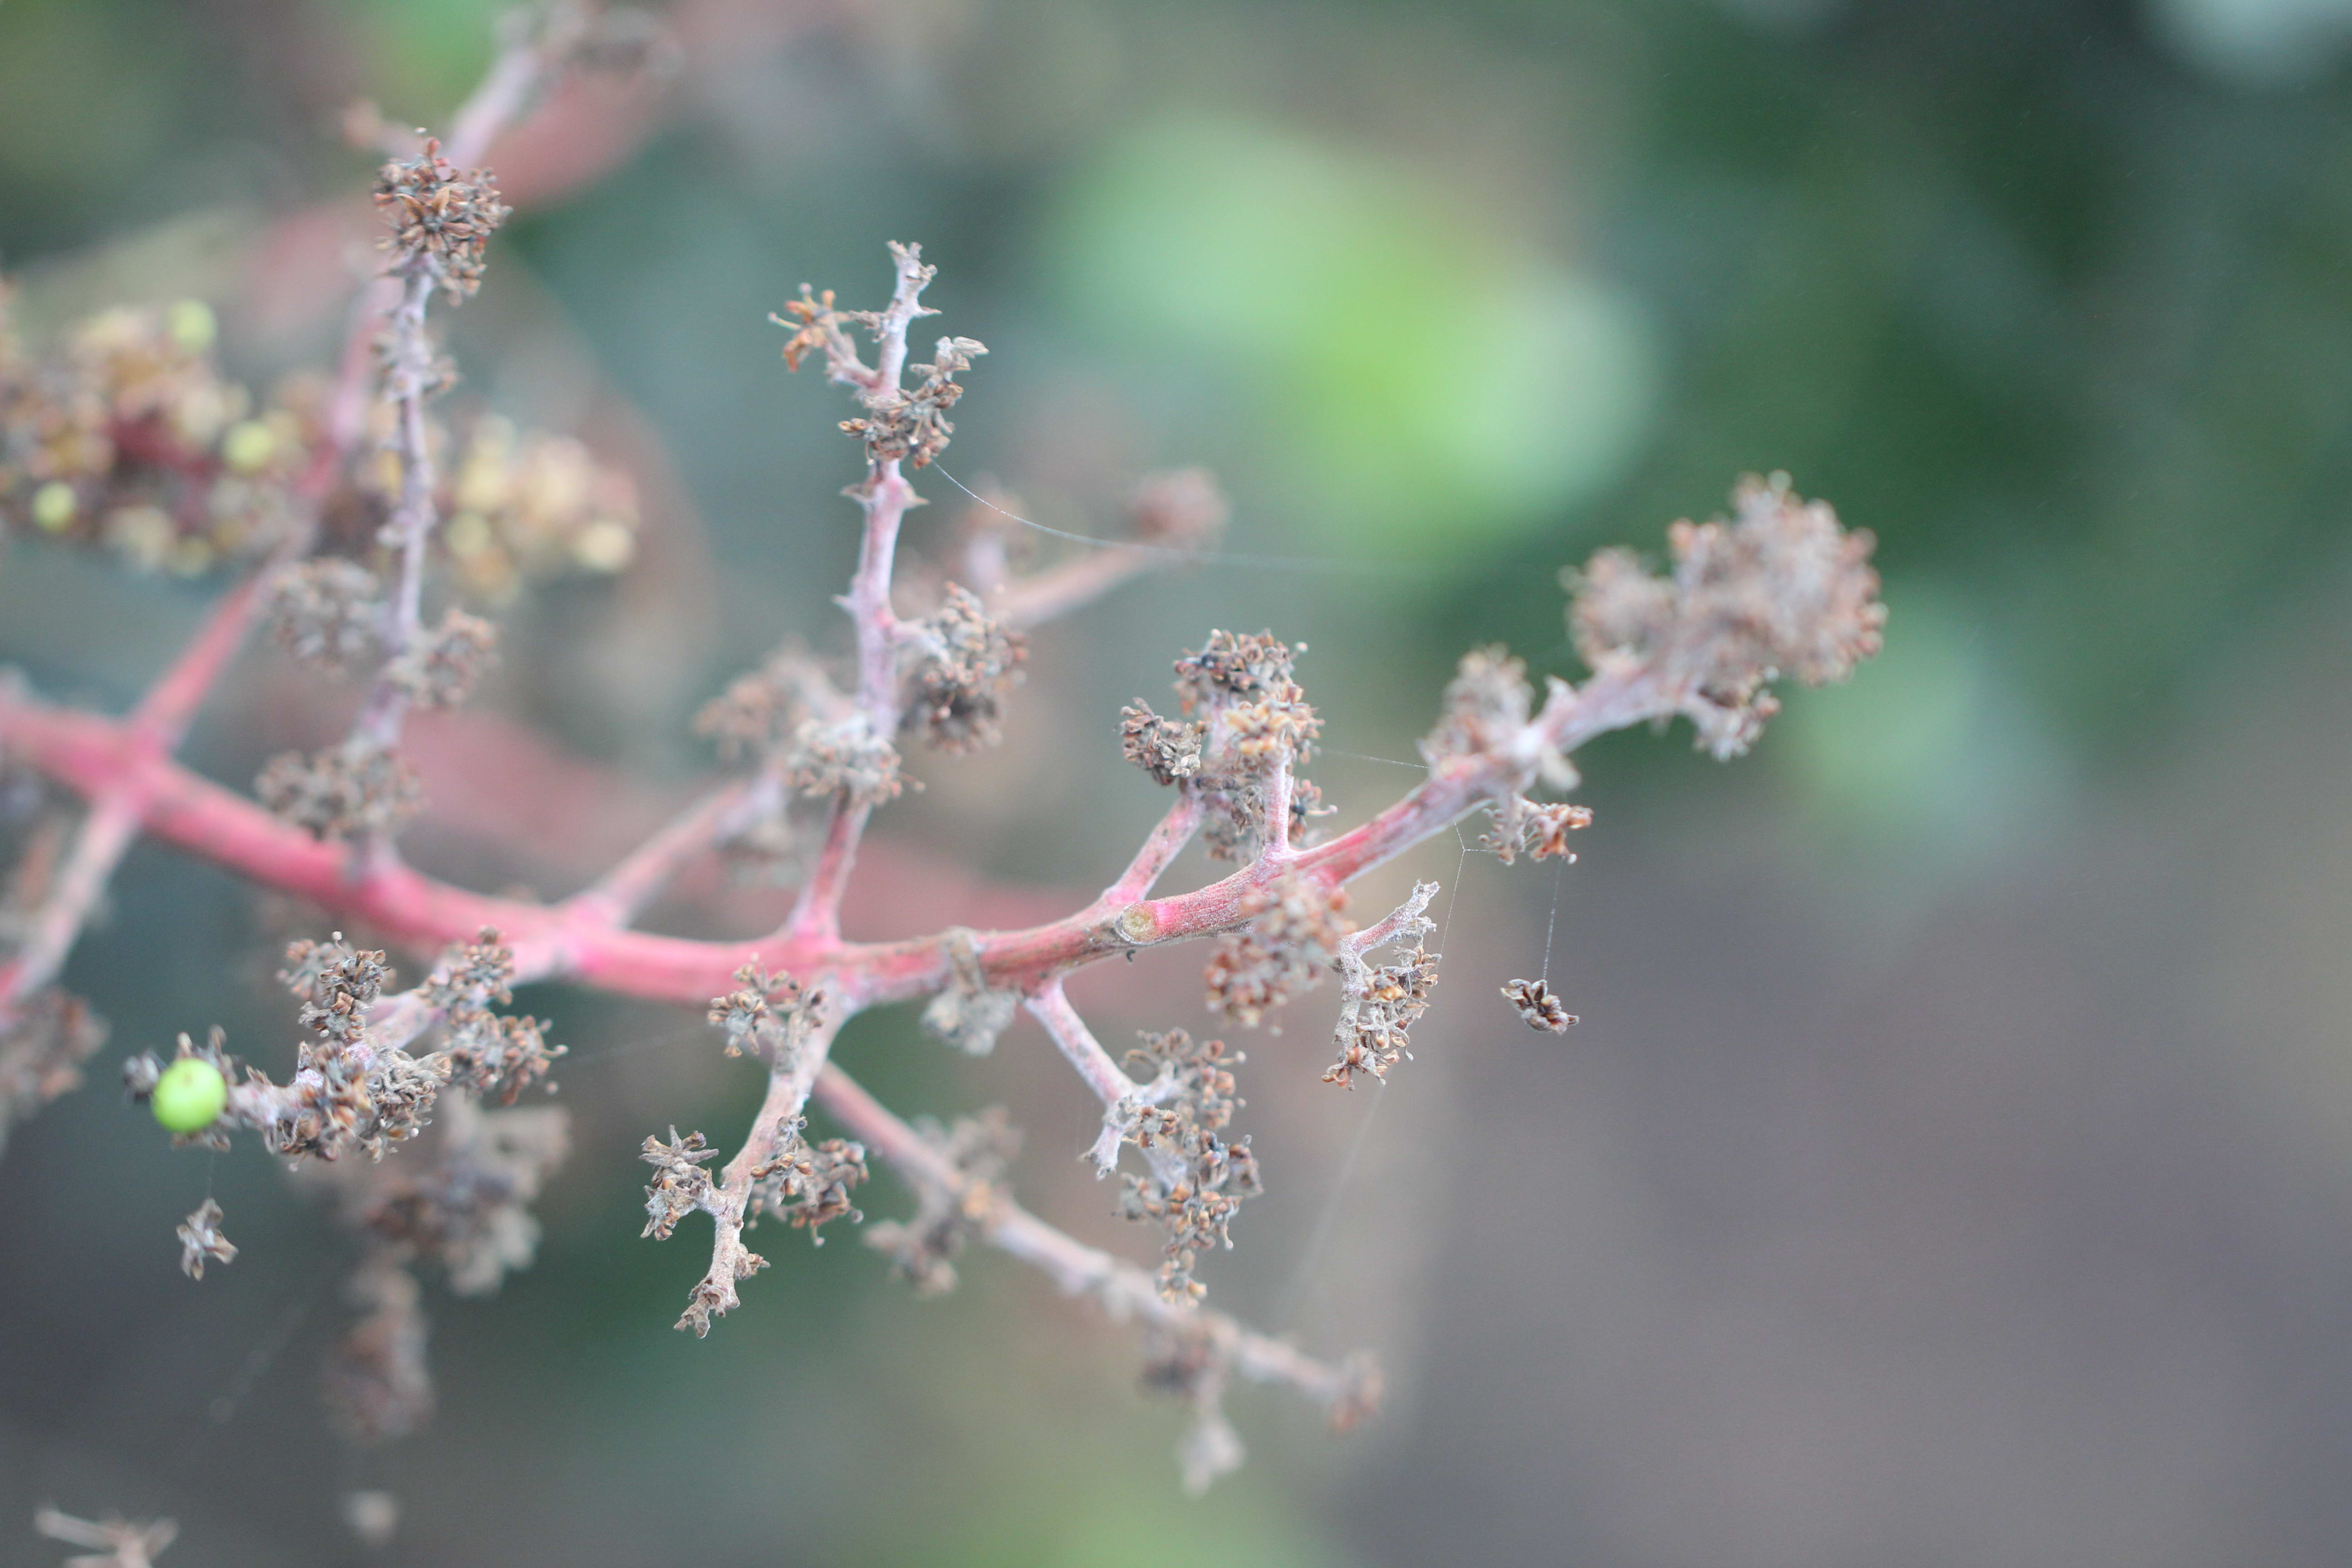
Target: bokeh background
column 1954, row 1165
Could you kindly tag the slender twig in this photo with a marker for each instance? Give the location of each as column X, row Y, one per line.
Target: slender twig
column 621, row 894
column 1123, row 1290
column 1031, row 601
column 885, row 496
column 1118, row 1093
column 790, row 1080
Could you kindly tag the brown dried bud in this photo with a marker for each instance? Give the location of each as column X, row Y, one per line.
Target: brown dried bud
column 680, row 1185
column 1167, row 749
column 200, row 1239
column 345, row 792
column 441, row 220
column 1538, row 1006
column 962, row 677
column 1779, row 589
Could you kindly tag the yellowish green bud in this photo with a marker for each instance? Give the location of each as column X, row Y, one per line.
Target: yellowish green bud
column 249, row 447
column 190, row 324
column 54, row 505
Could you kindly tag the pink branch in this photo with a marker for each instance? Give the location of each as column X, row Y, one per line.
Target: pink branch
column 1167, row 838
column 1031, row 601
column 1112, row 1086
column 622, row 894
column 93, row 755
column 155, row 728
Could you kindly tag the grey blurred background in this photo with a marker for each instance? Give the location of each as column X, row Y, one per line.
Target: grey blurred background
column 1954, row 1165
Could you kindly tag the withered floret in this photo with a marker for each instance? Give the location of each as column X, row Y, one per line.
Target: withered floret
column 1195, row 1178
column 1285, row 951
column 923, row 1250
column 969, row 664
column 1538, row 1006
column 441, row 220
column 1779, row 588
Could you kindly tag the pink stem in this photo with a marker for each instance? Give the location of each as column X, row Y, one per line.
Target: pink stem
column 93, row 755
column 154, row 729
column 622, row 893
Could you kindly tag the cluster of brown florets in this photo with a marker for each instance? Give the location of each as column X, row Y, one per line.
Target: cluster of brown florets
column 948, row 1216
column 844, row 758
column 377, row 1385
column 912, row 424
column 1169, row 750
column 1285, row 950
column 680, row 1185
column 464, row 1204
column 1379, row 1005
column 127, row 436
column 365, row 1100
column 493, row 1054
column 42, row 1047
column 768, row 1015
column 1540, row 831
column 441, row 220
column 1244, row 716
column 807, row 1184
column 1779, row 588
column 967, row 665
column 357, row 788
column 1196, row 1177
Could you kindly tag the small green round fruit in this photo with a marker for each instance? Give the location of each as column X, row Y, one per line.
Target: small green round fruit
column 249, row 447
column 190, row 1096
column 54, row 505
column 190, row 324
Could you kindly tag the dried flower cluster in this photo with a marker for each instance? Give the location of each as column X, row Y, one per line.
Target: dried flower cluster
column 950, row 1215
column 441, row 220
column 42, row 1048
column 1196, row 1178
column 1781, row 588
column 680, row 1185
column 1379, row 1006
column 1290, row 944
column 1535, row 1003
column 769, row 1015
column 808, row 1185
column 967, row 666
column 1247, row 725
column 376, row 511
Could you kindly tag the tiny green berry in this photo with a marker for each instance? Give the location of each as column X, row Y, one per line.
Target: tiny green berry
column 248, row 446
column 190, row 1096
column 190, row 324
column 54, row 506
